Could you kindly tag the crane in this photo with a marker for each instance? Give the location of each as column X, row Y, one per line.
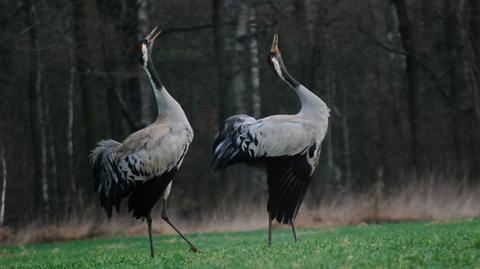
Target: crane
column 287, row 146
column 142, row 167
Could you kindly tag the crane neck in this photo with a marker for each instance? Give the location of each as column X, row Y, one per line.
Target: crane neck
column 312, row 105
column 283, row 73
column 152, row 75
column 168, row 109
column 289, row 79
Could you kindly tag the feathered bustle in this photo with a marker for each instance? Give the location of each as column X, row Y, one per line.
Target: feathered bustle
column 108, row 182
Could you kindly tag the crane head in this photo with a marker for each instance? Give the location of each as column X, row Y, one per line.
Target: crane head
column 274, row 58
column 145, row 46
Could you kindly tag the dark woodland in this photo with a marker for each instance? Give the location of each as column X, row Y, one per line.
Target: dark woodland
column 401, row 78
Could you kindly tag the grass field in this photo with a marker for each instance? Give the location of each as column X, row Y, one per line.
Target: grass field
column 401, row 245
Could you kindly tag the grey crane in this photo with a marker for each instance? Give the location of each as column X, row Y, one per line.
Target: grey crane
column 142, row 167
column 288, row 146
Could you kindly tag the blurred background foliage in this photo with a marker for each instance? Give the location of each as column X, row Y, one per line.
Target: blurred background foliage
column 400, row 76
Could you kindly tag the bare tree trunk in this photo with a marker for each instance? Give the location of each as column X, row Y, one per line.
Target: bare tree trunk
column 70, row 122
column 455, row 40
column 304, row 18
column 224, row 73
column 240, row 81
column 405, row 29
column 403, row 159
column 254, row 72
column 51, row 158
column 452, row 43
column 91, row 109
column 246, row 80
column 331, row 88
column 346, row 136
column 37, row 118
column 240, row 64
column 223, row 68
column 71, row 99
column 147, row 99
column 474, row 38
column 3, row 167
column 43, row 135
column 474, row 7
column 461, row 84
column 131, row 86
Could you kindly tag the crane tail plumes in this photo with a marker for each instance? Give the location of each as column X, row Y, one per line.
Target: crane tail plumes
column 108, row 183
column 225, row 148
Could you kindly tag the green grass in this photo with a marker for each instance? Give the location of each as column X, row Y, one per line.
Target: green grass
column 402, row 245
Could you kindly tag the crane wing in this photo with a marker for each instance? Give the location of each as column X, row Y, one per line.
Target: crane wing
column 243, row 139
column 287, row 146
column 288, row 180
column 148, row 154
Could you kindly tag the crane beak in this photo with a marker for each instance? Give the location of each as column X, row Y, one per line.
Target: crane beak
column 153, row 35
column 274, row 48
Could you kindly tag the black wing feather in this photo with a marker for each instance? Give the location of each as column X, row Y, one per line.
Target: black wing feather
column 225, row 149
column 288, row 180
column 147, row 194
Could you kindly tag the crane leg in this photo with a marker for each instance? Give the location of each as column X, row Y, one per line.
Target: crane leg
column 149, row 224
column 294, row 233
column 269, row 230
column 193, row 248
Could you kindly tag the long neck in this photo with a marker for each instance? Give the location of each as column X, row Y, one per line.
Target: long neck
column 153, row 76
column 312, row 105
column 288, row 78
column 167, row 107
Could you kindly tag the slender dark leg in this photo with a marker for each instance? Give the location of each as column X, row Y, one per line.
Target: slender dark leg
column 149, row 223
column 165, row 218
column 294, row 233
column 269, row 230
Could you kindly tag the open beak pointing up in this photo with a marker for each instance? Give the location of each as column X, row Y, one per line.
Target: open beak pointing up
column 152, row 36
column 274, row 48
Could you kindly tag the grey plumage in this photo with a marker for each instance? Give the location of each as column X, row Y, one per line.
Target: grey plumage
column 145, row 155
column 288, row 146
column 289, row 142
column 142, row 167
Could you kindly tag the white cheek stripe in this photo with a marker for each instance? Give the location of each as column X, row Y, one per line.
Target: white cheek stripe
column 144, row 54
column 276, row 65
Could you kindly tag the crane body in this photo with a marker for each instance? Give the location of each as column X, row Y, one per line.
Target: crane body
column 287, row 146
column 143, row 166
